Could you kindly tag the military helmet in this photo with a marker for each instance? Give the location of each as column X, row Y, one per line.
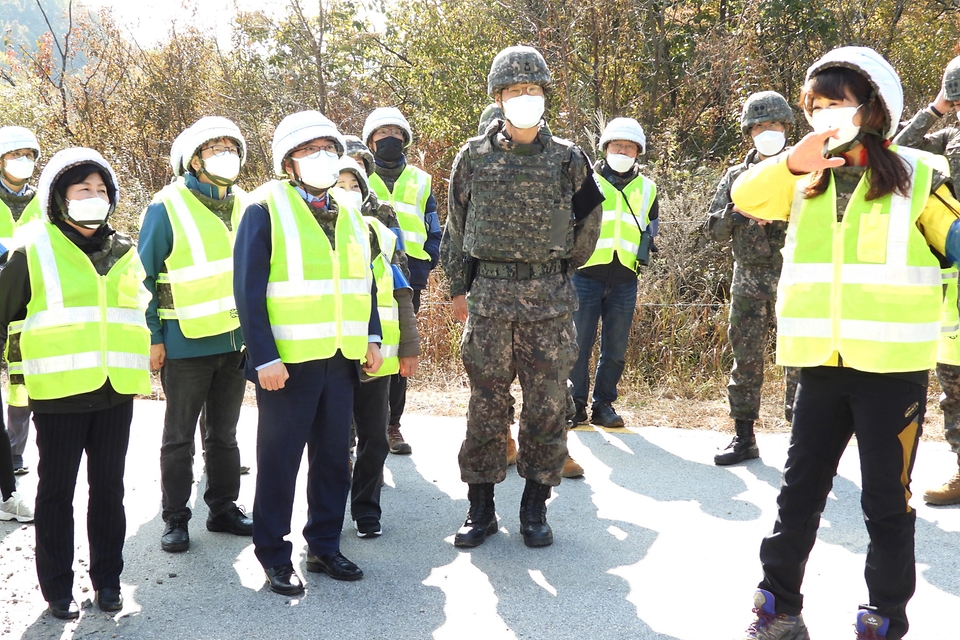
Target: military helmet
column 490, row 113
column 385, row 117
column 517, row 65
column 951, row 80
column 765, row 106
column 349, row 164
column 359, row 151
column 63, row 161
column 875, row 68
column 207, row 128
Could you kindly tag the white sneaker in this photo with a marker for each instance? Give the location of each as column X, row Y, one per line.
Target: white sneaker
column 16, row 509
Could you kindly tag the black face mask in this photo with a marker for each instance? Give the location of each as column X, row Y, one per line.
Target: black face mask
column 389, row 149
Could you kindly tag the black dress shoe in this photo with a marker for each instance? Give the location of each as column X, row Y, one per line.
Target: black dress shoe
column 284, row 580
column 335, row 566
column 233, row 520
column 175, row 536
column 64, row 609
column 109, row 599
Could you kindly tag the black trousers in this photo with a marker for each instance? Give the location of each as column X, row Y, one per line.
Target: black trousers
column 886, row 413
column 370, row 412
column 313, row 409
column 216, row 383
column 398, row 384
column 61, row 440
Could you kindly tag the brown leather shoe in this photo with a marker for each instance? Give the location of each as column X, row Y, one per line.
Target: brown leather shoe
column 511, row 450
column 571, row 469
column 948, row 493
column 395, row 438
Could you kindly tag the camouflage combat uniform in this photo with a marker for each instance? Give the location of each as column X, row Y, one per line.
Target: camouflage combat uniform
column 945, row 142
column 512, row 229
column 753, row 292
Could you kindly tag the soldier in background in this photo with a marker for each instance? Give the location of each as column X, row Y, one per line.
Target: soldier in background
column 945, row 142
column 523, row 213
column 766, row 120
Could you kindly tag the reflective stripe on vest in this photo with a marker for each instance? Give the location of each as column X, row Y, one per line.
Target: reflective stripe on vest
column 386, row 303
column 867, row 287
column 82, row 328
column 948, row 351
column 619, row 232
column 199, row 269
column 318, row 299
column 11, row 235
column 409, row 199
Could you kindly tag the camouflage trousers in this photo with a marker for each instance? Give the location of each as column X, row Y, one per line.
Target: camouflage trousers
column 948, row 375
column 751, row 320
column 541, row 354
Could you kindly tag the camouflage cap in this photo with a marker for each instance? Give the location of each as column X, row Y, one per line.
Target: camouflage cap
column 490, row 113
column 765, row 106
column 359, row 152
column 951, row 80
column 517, row 65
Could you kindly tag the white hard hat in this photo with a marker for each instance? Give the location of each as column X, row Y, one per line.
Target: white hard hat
column 60, row 163
column 301, row 127
column 204, row 130
column 13, row 138
column 623, row 129
column 349, row 164
column 876, row 69
column 385, row 117
column 176, row 153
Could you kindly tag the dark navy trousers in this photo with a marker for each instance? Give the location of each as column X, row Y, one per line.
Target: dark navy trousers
column 314, row 409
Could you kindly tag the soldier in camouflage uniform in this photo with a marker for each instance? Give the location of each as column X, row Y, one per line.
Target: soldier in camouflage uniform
column 765, row 119
column 945, row 142
column 523, row 213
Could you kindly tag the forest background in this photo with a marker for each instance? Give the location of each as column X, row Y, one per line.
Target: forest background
column 680, row 67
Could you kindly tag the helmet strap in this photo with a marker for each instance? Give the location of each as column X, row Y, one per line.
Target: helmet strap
column 216, row 181
column 15, row 183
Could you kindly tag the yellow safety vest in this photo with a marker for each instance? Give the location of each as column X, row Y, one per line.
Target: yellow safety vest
column 409, row 199
column 199, row 269
column 318, row 296
column 82, row 328
column 868, row 287
column 622, row 210
column 386, row 303
column 948, row 352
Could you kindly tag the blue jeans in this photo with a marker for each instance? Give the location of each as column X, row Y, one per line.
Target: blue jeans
column 612, row 307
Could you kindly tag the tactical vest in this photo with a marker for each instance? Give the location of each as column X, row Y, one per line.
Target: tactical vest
column 409, row 199
column 622, row 212
column 867, row 287
column 520, row 207
column 318, row 296
column 386, row 303
column 199, row 269
column 948, row 352
column 82, row 328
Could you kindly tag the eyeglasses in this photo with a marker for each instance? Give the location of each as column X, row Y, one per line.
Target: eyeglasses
column 20, row 153
column 219, row 150
column 313, row 150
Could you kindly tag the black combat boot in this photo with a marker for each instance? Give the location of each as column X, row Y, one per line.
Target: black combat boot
column 481, row 518
column 533, row 515
column 742, row 447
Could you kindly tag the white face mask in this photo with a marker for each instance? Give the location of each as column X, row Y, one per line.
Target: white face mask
column 619, row 162
column 837, row 118
column 769, row 142
column 225, row 166
column 90, row 213
column 524, row 111
column 320, row 171
column 20, row 169
column 354, row 199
